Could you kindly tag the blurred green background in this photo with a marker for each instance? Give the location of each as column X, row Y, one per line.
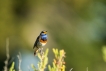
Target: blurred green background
column 77, row 26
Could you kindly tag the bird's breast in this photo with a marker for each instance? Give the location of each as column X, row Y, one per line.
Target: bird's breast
column 43, row 42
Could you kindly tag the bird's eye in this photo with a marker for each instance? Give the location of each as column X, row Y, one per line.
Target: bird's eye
column 42, row 32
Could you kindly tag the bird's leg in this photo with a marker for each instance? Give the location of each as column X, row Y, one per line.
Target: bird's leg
column 41, row 51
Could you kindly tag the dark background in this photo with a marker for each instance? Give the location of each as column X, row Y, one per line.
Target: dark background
column 77, row 26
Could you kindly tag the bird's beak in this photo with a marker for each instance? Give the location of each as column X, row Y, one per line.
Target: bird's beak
column 45, row 32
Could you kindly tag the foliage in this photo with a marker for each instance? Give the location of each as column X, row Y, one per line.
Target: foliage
column 43, row 61
column 58, row 61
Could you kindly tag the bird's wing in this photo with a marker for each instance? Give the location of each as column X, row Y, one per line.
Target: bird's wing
column 35, row 44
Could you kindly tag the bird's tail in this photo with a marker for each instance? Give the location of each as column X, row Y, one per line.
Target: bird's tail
column 35, row 51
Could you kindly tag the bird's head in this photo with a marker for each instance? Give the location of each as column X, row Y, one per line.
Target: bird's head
column 43, row 33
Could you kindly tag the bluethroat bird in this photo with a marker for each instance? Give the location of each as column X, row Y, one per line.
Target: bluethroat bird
column 40, row 41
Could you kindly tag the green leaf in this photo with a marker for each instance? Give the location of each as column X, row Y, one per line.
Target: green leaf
column 46, row 52
column 33, row 67
column 57, row 52
column 54, row 66
column 63, row 69
column 49, row 67
column 39, row 56
column 54, row 51
column 12, row 67
column 45, row 60
column 61, row 54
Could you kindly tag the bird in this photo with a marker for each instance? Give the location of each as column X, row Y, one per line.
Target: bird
column 40, row 41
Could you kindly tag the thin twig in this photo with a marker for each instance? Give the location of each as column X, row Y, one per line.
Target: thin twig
column 7, row 54
column 71, row 69
column 87, row 69
column 19, row 58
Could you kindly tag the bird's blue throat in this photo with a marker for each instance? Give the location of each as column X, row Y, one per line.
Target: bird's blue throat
column 44, row 37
